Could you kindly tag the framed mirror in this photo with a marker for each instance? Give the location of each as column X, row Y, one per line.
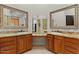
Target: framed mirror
column 64, row 18
column 13, row 18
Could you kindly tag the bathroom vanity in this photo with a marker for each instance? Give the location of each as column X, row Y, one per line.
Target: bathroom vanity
column 13, row 43
column 63, row 43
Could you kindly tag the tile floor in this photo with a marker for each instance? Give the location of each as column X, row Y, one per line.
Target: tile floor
column 39, row 50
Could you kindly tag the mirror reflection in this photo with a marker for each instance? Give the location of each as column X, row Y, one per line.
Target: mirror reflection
column 64, row 18
column 13, row 18
column 67, row 17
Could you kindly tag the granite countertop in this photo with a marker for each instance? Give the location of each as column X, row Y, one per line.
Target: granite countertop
column 65, row 34
column 13, row 34
column 41, row 34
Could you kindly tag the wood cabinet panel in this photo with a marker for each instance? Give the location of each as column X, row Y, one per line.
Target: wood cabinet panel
column 50, row 42
column 62, row 44
column 29, row 44
column 72, row 40
column 49, row 36
column 7, row 48
column 55, row 43
column 29, row 41
column 58, row 44
column 47, row 42
column 67, row 52
column 72, row 50
column 20, row 44
column 71, row 45
column 24, row 43
column 6, row 39
column 8, row 52
column 8, row 45
column 17, row 44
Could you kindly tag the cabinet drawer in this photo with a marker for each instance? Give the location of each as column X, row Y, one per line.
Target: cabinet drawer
column 6, row 48
column 7, row 39
column 11, row 43
column 72, row 40
column 70, row 49
column 70, row 44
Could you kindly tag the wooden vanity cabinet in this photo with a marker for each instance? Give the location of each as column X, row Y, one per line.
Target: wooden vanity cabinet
column 58, row 44
column 29, row 41
column 24, row 43
column 62, row 44
column 21, row 44
column 50, row 42
column 8, row 45
column 71, row 45
column 15, row 44
column 55, row 43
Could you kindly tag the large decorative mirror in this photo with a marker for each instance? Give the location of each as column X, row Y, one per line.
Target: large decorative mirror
column 13, row 18
column 64, row 18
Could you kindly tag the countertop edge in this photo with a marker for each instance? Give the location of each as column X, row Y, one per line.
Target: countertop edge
column 65, row 35
column 13, row 34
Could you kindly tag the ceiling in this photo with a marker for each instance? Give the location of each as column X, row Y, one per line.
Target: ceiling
column 38, row 9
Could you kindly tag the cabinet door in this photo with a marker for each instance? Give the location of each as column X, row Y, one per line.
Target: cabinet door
column 29, row 42
column 24, row 43
column 50, row 42
column 20, row 43
column 47, row 43
column 58, row 44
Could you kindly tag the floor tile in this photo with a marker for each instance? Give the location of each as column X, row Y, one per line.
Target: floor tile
column 39, row 50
